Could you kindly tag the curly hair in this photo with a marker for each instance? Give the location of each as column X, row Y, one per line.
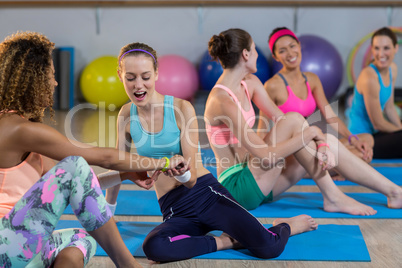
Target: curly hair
column 25, row 65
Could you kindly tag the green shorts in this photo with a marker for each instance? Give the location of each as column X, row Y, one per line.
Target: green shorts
column 241, row 184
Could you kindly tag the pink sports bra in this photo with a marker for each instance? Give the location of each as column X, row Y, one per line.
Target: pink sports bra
column 295, row 104
column 221, row 134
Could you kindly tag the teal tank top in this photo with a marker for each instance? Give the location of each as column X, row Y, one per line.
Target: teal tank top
column 165, row 143
column 359, row 121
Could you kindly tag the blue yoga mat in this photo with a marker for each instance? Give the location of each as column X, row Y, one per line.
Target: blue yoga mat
column 387, row 161
column 289, row 204
column 327, row 243
column 392, row 173
column 208, row 158
column 293, row 203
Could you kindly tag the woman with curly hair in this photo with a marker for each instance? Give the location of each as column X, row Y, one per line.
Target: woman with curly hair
column 33, row 194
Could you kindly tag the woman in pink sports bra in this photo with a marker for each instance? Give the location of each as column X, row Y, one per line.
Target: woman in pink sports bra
column 294, row 91
column 256, row 169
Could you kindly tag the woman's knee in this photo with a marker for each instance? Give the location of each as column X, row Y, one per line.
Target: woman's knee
column 269, row 251
column 332, row 140
column 295, row 120
column 154, row 247
column 72, row 164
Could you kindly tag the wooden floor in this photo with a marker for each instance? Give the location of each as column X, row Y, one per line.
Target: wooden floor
column 383, row 237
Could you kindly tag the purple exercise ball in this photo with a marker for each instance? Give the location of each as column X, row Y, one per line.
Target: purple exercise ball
column 322, row 58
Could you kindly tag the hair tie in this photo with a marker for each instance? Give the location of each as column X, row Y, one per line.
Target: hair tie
column 137, row 49
column 350, row 138
column 323, row 144
column 279, row 34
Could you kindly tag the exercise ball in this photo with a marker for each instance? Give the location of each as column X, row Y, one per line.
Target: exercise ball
column 100, row 84
column 210, row 70
column 177, row 77
column 322, row 58
column 263, row 68
column 276, row 66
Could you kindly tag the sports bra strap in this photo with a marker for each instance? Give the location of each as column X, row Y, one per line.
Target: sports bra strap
column 286, row 82
column 228, row 91
column 283, row 78
column 305, row 77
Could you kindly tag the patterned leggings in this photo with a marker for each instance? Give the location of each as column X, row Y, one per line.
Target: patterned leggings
column 27, row 233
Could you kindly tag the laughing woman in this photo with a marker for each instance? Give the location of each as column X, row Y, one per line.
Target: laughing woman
column 373, row 110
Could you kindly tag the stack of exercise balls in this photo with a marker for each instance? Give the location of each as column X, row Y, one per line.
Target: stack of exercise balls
column 210, row 70
column 177, row 77
column 320, row 57
column 100, row 84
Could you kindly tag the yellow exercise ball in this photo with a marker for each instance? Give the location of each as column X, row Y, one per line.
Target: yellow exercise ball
column 100, row 84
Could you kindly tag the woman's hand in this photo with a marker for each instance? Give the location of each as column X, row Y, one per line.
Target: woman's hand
column 325, row 157
column 177, row 166
column 141, row 178
column 364, row 148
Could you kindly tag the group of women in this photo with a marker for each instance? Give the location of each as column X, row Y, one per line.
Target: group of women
column 158, row 146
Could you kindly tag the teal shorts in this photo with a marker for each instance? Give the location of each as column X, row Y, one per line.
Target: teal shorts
column 239, row 181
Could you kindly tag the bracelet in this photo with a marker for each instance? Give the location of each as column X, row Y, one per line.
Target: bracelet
column 350, row 138
column 184, row 178
column 166, row 164
column 322, row 144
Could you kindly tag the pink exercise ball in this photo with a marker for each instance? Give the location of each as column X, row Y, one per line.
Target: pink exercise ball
column 177, row 77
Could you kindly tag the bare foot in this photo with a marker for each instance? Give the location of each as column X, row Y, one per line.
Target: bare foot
column 395, row 198
column 345, row 204
column 298, row 224
column 224, row 241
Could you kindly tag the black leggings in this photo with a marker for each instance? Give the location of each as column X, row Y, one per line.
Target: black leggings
column 388, row 145
column 189, row 214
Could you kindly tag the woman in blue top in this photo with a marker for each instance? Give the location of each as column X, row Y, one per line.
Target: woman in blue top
column 373, row 109
column 192, row 206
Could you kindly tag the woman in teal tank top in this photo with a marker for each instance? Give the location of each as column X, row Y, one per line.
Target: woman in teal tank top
column 155, row 125
column 373, row 110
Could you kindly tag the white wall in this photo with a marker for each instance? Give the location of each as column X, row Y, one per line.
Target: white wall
column 186, row 30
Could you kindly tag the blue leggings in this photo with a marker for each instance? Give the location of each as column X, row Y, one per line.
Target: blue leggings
column 189, row 214
column 28, row 229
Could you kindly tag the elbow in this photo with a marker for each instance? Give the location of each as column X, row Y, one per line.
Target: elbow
column 379, row 126
column 106, row 159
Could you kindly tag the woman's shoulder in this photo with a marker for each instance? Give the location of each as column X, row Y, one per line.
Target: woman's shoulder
column 181, row 103
column 394, row 69
column 183, row 106
column 274, row 85
column 19, row 129
column 125, row 110
column 311, row 76
column 368, row 73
